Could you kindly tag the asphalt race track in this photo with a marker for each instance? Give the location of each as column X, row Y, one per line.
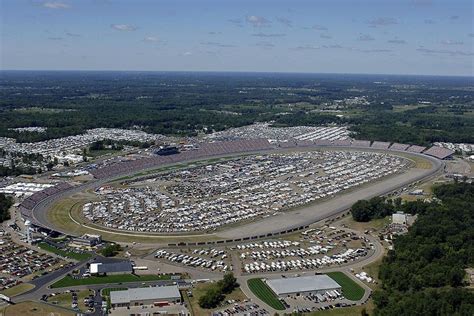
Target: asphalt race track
column 302, row 216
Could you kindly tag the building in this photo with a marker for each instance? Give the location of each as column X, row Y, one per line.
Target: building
column 400, row 218
column 87, row 240
column 308, row 285
column 158, row 296
column 122, row 267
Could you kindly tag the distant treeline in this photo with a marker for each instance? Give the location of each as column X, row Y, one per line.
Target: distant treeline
column 425, row 272
column 186, row 104
column 5, row 203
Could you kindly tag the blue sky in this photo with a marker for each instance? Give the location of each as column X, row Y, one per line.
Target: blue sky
column 433, row 37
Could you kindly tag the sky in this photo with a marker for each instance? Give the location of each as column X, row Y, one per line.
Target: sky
column 428, row 37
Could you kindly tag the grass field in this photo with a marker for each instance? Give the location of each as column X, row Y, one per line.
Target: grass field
column 347, row 311
column 199, row 290
column 263, row 292
column 35, row 309
column 17, row 289
column 67, row 254
column 351, row 290
column 119, row 278
column 65, row 299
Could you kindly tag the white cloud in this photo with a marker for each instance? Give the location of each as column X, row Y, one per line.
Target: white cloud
column 365, row 37
column 217, row 44
column 55, row 5
column 151, row 39
column 266, row 45
column 319, row 27
column 285, row 21
column 325, row 36
column 73, row 34
column 397, row 41
column 451, row 42
column 123, row 27
column 257, row 21
column 187, row 53
column 382, row 22
column 268, row 34
column 307, row 47
column 444, row 52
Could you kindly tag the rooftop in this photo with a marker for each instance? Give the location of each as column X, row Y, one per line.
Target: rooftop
column 302, row 284
column 145, row 293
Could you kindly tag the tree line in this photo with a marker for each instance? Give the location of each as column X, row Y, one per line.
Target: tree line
column 425, row 273
column 5, row 203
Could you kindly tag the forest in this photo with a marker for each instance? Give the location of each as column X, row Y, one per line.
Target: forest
column 425, row 272
column 408, row 109
column 5, row 204
column 380, row 207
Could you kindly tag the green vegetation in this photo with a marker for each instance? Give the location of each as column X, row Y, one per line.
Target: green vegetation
column 263, row 292
column 111, row 250
column 108, row 279
column 215, row 294
column 351, row 290
column 435, row 108
column 17, row 289
column 5, row 203
column 379, row 207
column 79, row 256
column 424, row 274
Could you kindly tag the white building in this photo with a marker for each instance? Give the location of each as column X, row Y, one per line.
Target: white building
column 159, row 296
column 314, row 284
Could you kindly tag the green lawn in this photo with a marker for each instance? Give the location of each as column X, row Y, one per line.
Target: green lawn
column 119, row 278
column 263, row 292
column 67, row 254
column 351, row 290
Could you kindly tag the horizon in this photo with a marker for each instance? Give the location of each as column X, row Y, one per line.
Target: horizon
column 409, row 37
column 233, row 72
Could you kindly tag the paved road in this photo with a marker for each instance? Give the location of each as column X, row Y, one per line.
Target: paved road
column 304, row 216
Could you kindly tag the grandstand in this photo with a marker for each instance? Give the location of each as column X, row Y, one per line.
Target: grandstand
column 380, row 145
column 439, row 152
column 398, row 146
column 416, row 149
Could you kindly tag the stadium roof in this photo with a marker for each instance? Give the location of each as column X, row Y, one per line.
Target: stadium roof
column 439, row 152
column 302, row 284
column 145, row 294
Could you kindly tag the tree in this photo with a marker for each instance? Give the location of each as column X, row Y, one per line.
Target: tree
column 211, row 298
column 5, row 203
column 228, row 283
column 110, row 250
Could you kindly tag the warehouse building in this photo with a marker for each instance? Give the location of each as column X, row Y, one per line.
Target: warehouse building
column 308, row 285
column 122, row 267
column 158, row 296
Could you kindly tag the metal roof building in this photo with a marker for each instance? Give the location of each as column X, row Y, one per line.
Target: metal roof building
column 313, row 284
column 111, row 268
column 145, row 296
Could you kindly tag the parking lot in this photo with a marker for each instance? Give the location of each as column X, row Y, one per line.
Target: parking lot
column 18, row 261
column 206, row 197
